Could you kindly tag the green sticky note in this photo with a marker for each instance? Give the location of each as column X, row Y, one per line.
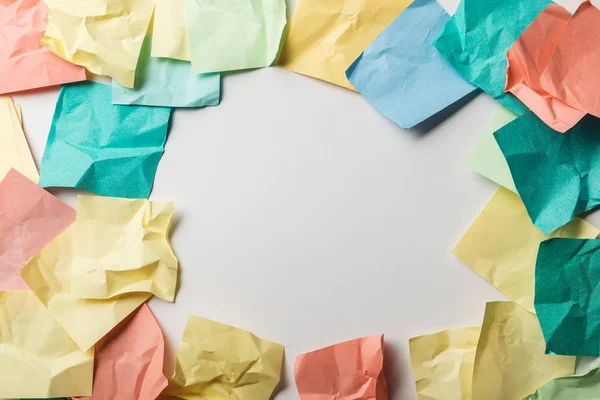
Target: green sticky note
column 103, row 148
column 584, row 387
column 567, row 299
column 475, row 41
column 167, row 82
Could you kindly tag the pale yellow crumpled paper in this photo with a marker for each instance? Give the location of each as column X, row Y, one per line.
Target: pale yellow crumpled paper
column 14, row 150
column 122, row 246
column 442, row 363
column 37, row 357
column 169, row 36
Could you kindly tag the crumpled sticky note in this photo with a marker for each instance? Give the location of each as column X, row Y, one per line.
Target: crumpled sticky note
column 111, row 150
column 169, row 35
column 37, row 357
column 567, row 275
column 501, row 246
column 584, row 387
column 14, row 150
column 325, row 37
column 442, row 363
column 48, row 275
column 130, row 365
column 402, row 74
column 477, row 37
column 30, row 218
column 168, row 83
column 105, row 36
column 528, row 57
column 234, row 34
column 219, row 361
column 554, row 173
column 122, row 246
column 352, row 370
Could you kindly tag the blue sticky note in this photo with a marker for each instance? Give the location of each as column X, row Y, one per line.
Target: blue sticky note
column 402, row 74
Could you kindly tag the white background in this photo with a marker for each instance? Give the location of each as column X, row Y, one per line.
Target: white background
column 306, row 217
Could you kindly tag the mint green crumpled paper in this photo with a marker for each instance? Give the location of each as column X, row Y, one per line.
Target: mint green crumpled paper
column 578, row 387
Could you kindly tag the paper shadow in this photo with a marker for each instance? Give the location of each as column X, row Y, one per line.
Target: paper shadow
column 283, row 383
column 393, row 369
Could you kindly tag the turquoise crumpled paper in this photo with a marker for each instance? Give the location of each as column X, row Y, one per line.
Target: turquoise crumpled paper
column 578, row 387
column 477, row 37
column 100, row 147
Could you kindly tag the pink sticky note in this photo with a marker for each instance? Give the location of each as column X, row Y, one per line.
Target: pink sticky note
column 528, row 57
column 130, row 366
column 24, row 62
column 30, row 218
column 348, row 370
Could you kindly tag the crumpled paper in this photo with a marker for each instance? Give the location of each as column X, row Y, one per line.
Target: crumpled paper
column 130, row 365
column 442, row 363
column 567, row 275
column 402, row 74
column 14, row 150
column 348, row 370
column 584, row 387
column 477, row 37
column 528, row 57
column 501, row 246
column 169, row 35
column 325, row 37
column 111, row 150
column 234, row 34
column 510, row 362
column 554, row 173
column 105, row 36
column 48, row 275
column 219, row 361
column 37, row 357
column 30, row 218
column 168, row 83
column 122, row 246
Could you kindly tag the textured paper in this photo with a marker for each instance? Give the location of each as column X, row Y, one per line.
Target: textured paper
column 583, row 387
column 104, row 36
column 477, row 37
column 30, row 218
column 402, row 74
column 169, row 36
column 111, row 150
column 37, row 357
column 234, row 34
column 325, row 37
column 48, row 275
column 14, row 150
column 554, row 173
column 501, row 246
column 122, row 246
column 219, row 361
column 442, row 363
column 130, row 366
column 348, row 370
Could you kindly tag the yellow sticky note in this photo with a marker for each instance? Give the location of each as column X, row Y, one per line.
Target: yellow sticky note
column 14, row 150
column 442, row 363
column 103, row 36
column 170, row 39
column 510, row 362
column 502, row 244
column 218, row 361
column 122, row 246
column 37, row 357
column 325, row 37
column 49, row 276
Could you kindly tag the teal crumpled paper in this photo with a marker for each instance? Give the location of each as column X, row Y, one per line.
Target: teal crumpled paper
column 567, row 299
column 556, row 174
column 477, row 37
column 100, row 147
column 578, row 387
column 167, row 82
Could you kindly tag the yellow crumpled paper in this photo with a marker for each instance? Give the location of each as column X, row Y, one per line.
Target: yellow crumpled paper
column 325, row 37
column 122, row 246
column 14, row 150
column 502, row 244
column 442, row 363
column 510, row 362
column 218, row 361
column 104, row 36
column 37, row 357
column 169, row 37
column 49, row 275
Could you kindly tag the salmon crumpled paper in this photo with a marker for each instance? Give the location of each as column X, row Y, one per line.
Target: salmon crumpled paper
column 14, row 150
column 352, row 370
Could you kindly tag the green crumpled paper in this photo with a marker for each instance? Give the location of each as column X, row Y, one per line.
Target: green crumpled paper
column 477, row 37
column 556, row 174
column 567, row 300
column 583, row 387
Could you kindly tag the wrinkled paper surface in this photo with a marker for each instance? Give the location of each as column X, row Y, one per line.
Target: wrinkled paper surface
column 14, row 149
column 169, row 36
column 583, row 387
